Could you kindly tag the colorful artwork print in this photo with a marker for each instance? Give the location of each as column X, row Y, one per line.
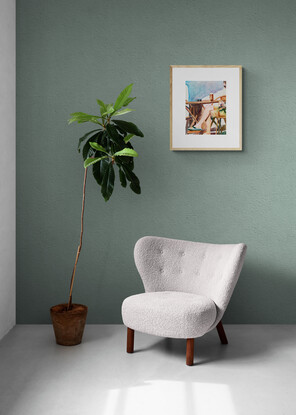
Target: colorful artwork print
column 205, row 107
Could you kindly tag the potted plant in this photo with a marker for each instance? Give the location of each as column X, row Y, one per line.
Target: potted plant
column 104, row 147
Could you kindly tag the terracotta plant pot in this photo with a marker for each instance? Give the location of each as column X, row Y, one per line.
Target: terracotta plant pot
column 68, row 325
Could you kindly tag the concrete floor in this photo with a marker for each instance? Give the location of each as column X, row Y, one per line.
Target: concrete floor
column 254, row 374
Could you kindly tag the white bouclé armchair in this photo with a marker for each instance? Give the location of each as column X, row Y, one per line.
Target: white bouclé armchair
column 188, row 286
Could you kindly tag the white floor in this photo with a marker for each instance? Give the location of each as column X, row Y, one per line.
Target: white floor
column 254, row 374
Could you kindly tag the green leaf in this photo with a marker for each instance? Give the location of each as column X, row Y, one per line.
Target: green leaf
column 101, row 103
column 81, row 139
column 135, row 187
column 128, row 152
column 121, row 112
column 113, row 133
column 97, row 146
column 129, row 127
column 104, row 166
column 109, row 110
column 130, row 175
column 103, row 106
column 123, row 96
column 128, row 161
column 93, row 160
column 128, row 137
column 128, row 101
column 86, row 148
column 122, row 178
column 133, row 179
column 81, row 117
column 99, row 170
column 108, row 182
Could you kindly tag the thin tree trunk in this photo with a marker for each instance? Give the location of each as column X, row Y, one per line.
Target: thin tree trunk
column 80, row 244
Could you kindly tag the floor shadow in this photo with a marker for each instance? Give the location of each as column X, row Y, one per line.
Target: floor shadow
column 208, row 349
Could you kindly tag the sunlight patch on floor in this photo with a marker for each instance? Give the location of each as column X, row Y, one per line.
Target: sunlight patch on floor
column 170, row 397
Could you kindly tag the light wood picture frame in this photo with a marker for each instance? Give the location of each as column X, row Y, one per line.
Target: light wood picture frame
column 206, row 107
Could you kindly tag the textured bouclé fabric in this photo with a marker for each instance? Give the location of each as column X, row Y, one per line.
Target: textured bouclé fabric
column 183, row 282
column 173, row 314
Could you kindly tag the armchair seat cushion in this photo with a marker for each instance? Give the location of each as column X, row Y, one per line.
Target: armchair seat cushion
column 169, row 314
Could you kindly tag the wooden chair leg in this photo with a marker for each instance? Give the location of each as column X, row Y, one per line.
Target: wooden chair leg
column 221, row 333
column 189, row 352
column 130, row 340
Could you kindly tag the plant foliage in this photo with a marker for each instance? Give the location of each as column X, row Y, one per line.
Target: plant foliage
column 109, row 144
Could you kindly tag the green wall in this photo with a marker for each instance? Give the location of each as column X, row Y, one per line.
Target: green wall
column 71, row 52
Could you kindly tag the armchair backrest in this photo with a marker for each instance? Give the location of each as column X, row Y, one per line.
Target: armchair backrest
column 211, row 270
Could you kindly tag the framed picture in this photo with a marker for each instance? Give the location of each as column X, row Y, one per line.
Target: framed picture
column 206, row 108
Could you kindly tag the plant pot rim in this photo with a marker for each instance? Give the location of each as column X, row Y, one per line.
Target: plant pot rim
column 62, row 309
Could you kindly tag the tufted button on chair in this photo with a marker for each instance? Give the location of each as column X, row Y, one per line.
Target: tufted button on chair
column 188, row 286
